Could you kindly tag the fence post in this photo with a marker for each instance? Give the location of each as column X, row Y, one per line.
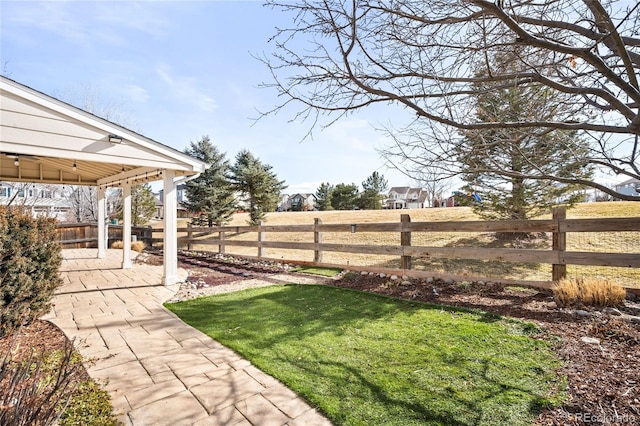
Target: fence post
column 148, row 236
column 559, row 271
column 317, row 239
column 189, row 235
column 221, row 237
column 405, row 241
column 260, row 239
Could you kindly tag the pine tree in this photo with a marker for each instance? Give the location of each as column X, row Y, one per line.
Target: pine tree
column 258, row 184
column 210, row 197
column 323, row 196
column 517, row 152
column 345, row 197
column 373, row 190
column 143, row 205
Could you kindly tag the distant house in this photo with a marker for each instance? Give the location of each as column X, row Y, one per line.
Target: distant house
column 629, row 187
column 302, row 202
column 181, row 196
column 404, row 197
column 42, row 200
column 285, row 203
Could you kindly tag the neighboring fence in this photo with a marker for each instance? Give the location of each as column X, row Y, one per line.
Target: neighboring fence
column 419, row 252
column 85, row 235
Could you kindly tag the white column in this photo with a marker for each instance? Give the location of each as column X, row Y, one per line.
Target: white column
column 170, row 244
column 126, row 226
column 101, row 222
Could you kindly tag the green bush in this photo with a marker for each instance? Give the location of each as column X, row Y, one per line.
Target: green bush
column 89, row 405
column 29, row 262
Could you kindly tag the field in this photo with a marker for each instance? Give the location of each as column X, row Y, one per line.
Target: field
column 617, row 242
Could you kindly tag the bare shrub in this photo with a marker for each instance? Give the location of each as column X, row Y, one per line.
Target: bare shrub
column 36, row 390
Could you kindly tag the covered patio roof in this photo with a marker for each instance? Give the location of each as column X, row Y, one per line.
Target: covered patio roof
column 45, row 140
column 41, row 138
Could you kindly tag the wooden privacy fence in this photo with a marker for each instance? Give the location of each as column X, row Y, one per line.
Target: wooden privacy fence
column 85, row 235
column 558, row 256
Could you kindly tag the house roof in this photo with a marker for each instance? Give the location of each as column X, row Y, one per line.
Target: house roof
column 45, row 140
column 400, row 189
column 631, row 181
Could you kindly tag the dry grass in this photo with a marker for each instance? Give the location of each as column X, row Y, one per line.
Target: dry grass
column 588, row 291
column 138, row 246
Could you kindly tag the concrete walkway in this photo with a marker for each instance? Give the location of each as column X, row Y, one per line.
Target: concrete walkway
column 160, row 371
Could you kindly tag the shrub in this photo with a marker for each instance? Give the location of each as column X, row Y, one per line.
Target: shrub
column 138, row 246
column 90, row 405
column 50, row 387
column 36, row 390
column 29, row 262
column 589, row 292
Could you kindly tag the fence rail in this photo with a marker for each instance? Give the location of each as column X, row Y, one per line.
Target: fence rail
column 219, row 238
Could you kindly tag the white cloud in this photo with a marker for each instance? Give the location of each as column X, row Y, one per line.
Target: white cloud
column 137, row 93
column 186, row 89
column 303, row 188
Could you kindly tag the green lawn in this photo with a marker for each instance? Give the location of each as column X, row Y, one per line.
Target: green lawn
column 313, row 270
column 365, row 359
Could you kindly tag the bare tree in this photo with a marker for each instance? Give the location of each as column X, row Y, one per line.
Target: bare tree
column 430, row 56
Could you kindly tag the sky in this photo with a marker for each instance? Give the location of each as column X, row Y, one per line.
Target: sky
column 178, row 70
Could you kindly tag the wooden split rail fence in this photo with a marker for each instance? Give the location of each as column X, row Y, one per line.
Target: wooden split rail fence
column 559, row 226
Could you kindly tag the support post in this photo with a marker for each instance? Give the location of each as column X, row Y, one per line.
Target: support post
column 170, row 243
column 189, row 235
column 260, row 239
column 405, row 241
column 101, row 223
column 559, row 271
column 221, row 237
column 317, row 239
column 126, row 226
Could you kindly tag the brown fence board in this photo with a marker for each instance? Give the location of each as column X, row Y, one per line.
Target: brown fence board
column 601, row 225
column 624, row 260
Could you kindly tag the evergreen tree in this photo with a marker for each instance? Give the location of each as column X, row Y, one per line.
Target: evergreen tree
column 210, row 197
column 323, row 196
column 258, row 184
column 143, row 205
column 373, row 192
column 515, row 152
column 344, row 197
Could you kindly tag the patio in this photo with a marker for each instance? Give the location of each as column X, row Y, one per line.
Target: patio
column 159, row 370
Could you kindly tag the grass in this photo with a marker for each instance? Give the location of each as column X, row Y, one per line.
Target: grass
column 324, row 272
column 138, row 246
column 589, row 292
column 365, row 359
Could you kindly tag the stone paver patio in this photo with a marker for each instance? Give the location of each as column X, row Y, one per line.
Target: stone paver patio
column 160, row 371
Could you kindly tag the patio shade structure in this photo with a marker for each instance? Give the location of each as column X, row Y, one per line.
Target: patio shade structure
column 45, row 140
